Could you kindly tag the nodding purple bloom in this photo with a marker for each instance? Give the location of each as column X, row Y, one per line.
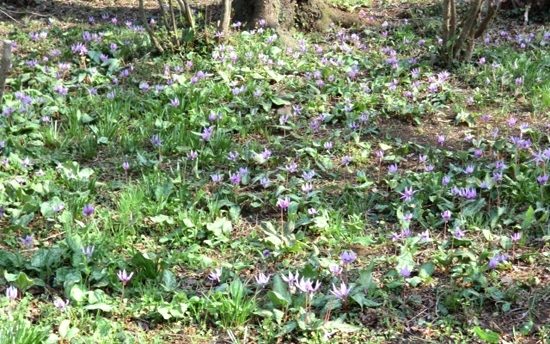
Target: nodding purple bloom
column 446, row 215
column 297, row 109
column 348, row 257
column 542, row 179
column 266, row 253
column 28, row 241
column 392, row 168
column 493, row 263
column 519, row 81
column 405, row 233
column 440, row 139
column 395, row 236
column 283, row 203
column 57, row 208
column 484, row 185
column 407, row 194
column 336, row 269
column 88, row 210
column 499, row 165
column 502, row 257
column 306, row 286
column 290, row 279
column 478, row 153
column 266, row 154
column 156, row 141
column 446, row 180
column 111, row 95
column 262, row 279
column 2, row 209
column 243, row 171
column 328, row 145
column 307, row 176
column 215, row 275
column 292, row 167
column 425, row 236
column 469, row 169
column 88, row 251
column 216, row 178
column 422, row 159
column 380, row 154
column 516, row 237
column 192, row 155
column 59, row 303
column 312, row 211
column 124, row 277
column 407, row 217
column 346, row 160
column 468, row 193
column 235, row 178
column 497, row 177
column 429, row 168
column 458, row 233
column 175, row 102
column 11, row 292
column 307, row 187
column 342, row 292
column 405, row 272
column 207, row 133
column 233, row 156
column 264, row 182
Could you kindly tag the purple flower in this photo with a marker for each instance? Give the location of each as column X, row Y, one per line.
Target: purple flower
column 328, row 145
column 446, row 180
column 407, row 217
column 469, row 169
column 175, row 102
column 156, row 141
column 342, row 292
column 542, row 179
column 28, row 241
column 312, row 211
column 283, row 203
column 216, row 178
column 440, row 139
column 516, row 237
column 405, row 272
column 207, row 133
column 425, row 236
column 380, row 154
column 446, row 215
column 458, row 233
column 243, row 171
column 215, row 275
column 88, row 251
column 307, row 176
column 264, row 182
column 124, row 277
column 307, row 187
column 407, row 194
column 493, row 263
column 392, row 168
column 348, row 257
column 192, row 155
column 59, row 303
column 336, row 269
column 306, row 286
column 233, row 156
column 11, row 292
column 235, row 178
column 291, row 279
column 88, row 210
column 262, row 279
column 499, row 165
column 126, row 165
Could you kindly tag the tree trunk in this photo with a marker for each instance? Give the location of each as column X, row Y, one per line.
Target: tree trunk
column 285, row 14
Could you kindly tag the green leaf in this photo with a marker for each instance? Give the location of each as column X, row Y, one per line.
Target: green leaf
column 145, row 264
column 169, row 282
column 362, row 300
column 21, row 280
column 528, row 219
column 77, row 293
column 64, row 328
column 101, row 306
column 277, row 299
column 486, row 335
column 365, row 279
column 414, row 281
column 280, row 287
column 426, row 270
column 220, row 227
column 341, row 326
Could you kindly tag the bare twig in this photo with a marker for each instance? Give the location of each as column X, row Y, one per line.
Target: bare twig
column 148, row 28
column 4, row 66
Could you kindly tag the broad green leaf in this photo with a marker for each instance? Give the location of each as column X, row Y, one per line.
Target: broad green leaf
column 101, row 306
column 486, row 335
column 169, row 282
column 220, row 227
column 277, row 299
column 426, row 270
column 64, row 327
column 528, row 219
column 145, row 264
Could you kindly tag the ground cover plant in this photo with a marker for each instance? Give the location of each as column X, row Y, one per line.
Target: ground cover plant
column 346, row 189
